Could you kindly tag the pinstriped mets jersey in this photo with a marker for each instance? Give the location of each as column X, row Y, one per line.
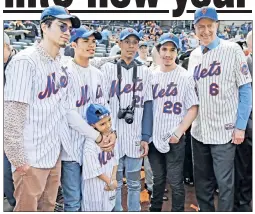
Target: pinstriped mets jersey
column 218, row 75
column 86, row 83
column 173, row 94
column 129, row 135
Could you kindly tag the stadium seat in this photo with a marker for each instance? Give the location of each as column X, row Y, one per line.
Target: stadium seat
column 26, row 47
column 101, row 51
column 13, row 40
column 100, row 48
column 107, row 54
column 99, row 55
column 20, row 43
column 17, row 47
column 31, row 44
column 101, row 45
column 25, row 40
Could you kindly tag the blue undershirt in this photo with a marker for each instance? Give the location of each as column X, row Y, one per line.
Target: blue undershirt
column 147, row 121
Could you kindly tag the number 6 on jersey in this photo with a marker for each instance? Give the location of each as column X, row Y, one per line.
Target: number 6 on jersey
column 214, row 89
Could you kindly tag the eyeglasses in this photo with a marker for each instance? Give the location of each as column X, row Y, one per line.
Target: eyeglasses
column 128, row 42
column 64, row 27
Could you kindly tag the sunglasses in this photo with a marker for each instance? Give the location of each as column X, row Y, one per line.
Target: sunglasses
column 64, row 27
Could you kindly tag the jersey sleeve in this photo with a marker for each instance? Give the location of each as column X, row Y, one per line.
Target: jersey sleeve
column 92, row 167
column 100, row 97
column 19, row 77
column 148, row 86
column 71, row 95
column 106, row 81
column 194, row 60
column 116, row 154
column 241, row 68
column 190, row 98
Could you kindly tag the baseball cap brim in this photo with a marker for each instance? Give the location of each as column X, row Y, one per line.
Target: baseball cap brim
column 97, row 35
column 85, row 35
column 169, row 40
column 76, row 23
column 204, row 17
column 146, row 45
column 132, row 34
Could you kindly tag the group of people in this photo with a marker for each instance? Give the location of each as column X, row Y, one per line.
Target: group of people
column 27, row 29
column 68, row 123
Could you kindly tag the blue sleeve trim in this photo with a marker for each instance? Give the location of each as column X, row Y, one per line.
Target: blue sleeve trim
column 244, row 106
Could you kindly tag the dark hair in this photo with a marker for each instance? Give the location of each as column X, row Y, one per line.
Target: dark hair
column 159, row 46
column 48, row 21
column 76, row 40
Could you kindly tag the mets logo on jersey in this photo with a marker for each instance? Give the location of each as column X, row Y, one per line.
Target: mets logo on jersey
column 67, row 11
column 244, row 68
column 204, row 10
column 171, row 35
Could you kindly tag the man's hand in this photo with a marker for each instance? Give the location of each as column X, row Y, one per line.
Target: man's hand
column 26, row 31
column 173, row 139
column 112, row 186
column 145, row 148
column 108, row 142
column 238, row 136
column 23, row 169
column 176, row 136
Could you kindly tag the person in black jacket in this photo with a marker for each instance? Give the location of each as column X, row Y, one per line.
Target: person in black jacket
column 18, row 26
column 30, row 26
column 243, row 159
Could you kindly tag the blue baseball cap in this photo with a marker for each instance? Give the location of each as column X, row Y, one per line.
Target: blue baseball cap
column 142, row 43
column 205, row 12
column 6, row 26
column 60, row 12
column 84, row 33
column 169, row 37
column 129, row 32
column 95, row 113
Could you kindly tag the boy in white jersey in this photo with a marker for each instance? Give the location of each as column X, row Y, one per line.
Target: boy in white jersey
column 86, row 83
column 99, row 168
column 175, row 105
column 36, row 84
column 128, row 99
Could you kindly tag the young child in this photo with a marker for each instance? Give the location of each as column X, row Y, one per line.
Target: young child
column 99, row 168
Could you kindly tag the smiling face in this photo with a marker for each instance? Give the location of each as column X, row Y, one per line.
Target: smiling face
column 58, row 31
column 85, row 47
column 206, row 30
column 168, row 54
column 104, row 125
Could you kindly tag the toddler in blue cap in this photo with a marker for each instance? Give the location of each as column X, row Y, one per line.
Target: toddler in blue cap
column 99, row 168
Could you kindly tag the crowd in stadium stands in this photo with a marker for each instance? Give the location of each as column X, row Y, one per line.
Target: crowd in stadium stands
column 150, row 31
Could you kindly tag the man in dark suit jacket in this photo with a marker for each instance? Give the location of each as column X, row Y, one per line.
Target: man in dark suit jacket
column 243, row 159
